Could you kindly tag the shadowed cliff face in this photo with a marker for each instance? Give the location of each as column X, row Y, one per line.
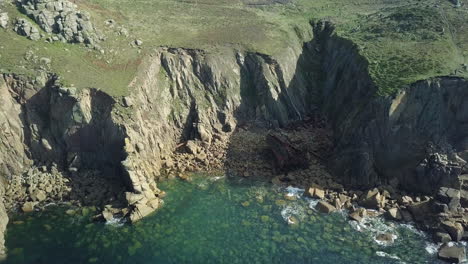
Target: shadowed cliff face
column 415, row 139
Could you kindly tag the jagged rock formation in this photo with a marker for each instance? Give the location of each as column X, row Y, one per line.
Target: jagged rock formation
column 416, row 140
column 63, row 19
column 25, row 28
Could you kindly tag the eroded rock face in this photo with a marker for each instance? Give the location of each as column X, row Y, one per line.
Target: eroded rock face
column 416, row 139
column 63, row 19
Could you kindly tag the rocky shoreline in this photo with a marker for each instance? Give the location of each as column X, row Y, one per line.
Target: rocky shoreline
column 309, row 118
column 249, row 154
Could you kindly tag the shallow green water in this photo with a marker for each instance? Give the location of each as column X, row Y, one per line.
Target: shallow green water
column 213, row 220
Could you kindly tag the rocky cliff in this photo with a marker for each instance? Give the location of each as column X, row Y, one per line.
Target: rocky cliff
column 414, row 140
column 87, row 140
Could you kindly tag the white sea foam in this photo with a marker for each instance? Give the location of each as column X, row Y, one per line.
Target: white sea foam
column 313, row 203
column 218, row 178
column 386, row 255
column 385, row 243
column 116, row 221
column 294, row 192
column 431, row 248
column 413, row 229
column 292, row 210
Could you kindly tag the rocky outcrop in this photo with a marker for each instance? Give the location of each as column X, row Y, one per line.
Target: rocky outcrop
column 25, row 28
column 4, row 19
column 63, row 19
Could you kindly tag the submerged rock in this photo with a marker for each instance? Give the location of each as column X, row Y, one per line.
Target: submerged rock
column 385, row 238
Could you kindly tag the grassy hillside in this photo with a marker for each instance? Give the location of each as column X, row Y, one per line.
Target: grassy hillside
column 404, row 41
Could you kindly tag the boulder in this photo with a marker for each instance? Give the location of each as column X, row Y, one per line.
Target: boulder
column 38, row 195
column 28, row 207
column 454, row 229
column 420, row 211
column 107, row 215
column 127, row 101
column 325, row 207
column 452, row 253
column 316, row 192
column 394, row 214
column 373, row 200
column 358, row 214
column 191, row 147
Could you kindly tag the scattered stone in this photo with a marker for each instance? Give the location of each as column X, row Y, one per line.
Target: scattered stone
column 452, row 253
column 325, row 207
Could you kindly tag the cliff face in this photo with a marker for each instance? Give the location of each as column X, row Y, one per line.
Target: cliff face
column 183, row 95
column 416, row 139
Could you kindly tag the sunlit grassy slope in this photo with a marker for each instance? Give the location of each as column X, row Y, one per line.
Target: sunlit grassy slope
column 403, row 40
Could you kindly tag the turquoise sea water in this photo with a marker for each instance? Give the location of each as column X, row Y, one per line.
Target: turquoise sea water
column 215, row 220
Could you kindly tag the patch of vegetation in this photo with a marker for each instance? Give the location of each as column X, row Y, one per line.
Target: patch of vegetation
column 403, row 40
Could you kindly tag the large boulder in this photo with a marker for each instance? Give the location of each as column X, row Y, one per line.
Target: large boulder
column 454, row 229
column 372, row 199
column 316, row 192
column 394, row 214
column 325, row 207
column 421, row 210
column 452, row 253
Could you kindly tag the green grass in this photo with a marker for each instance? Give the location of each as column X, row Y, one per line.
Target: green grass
column 404, row 41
